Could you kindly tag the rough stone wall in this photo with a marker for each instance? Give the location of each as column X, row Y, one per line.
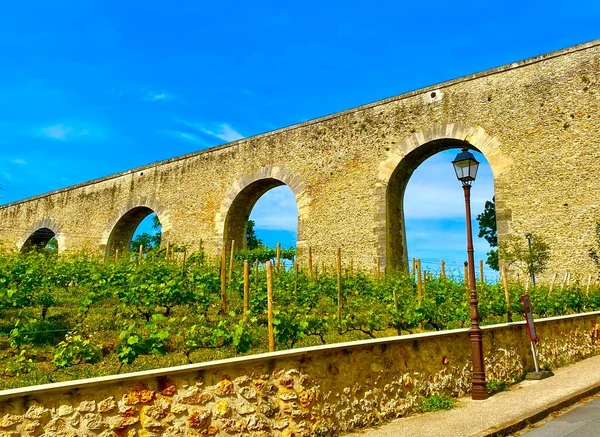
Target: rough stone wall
column 536, row 122
column 319, row 391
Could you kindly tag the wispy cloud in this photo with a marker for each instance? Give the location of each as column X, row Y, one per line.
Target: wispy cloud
column 63, row 132
column 222, row 131
column 18, row 161
column 5, row 175
column 185, row 136
column 276, row 210
column 152, row 96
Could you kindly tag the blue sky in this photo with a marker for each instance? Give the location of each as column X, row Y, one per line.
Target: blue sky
column 89, row 88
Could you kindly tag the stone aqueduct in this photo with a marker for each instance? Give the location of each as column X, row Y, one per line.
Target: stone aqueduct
column 537, row 122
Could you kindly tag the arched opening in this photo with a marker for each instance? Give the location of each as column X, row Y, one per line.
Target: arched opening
column 432, row 212
column 274, row 216
column 43, row 238
column 127, row 226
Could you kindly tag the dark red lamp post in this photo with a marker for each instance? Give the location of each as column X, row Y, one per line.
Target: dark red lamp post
column 465, row 166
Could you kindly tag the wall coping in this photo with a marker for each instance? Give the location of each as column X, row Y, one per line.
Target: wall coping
column 434, row 87
column 79, row 384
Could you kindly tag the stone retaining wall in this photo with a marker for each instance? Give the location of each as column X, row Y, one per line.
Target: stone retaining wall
column 318, row 391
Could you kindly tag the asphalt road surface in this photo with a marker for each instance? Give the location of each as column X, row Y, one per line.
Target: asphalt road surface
column 582, row 421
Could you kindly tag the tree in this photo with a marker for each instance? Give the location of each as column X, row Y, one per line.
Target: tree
column 594, row 251
column 148, row 240
column 488, row 231
column 515, row 252
column 252, row 241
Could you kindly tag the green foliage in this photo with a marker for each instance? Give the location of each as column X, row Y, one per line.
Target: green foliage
column 593, row 252
column 76, row 349
column 437, row 402
column 20, row 364
column 515, row 252
column 497, row 385
column 156, row 310
column 150, row 241
column 488, row 231
column 252, row 241
column 263, row 254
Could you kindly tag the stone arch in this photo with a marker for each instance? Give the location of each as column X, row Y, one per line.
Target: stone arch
column 231, row 219
column 121, row 227
column 40, row 233
column 395, row 171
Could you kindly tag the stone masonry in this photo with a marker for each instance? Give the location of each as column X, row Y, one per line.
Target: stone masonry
column 537, row 122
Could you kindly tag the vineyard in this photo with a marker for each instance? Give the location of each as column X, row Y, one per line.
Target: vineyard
column 76, row 316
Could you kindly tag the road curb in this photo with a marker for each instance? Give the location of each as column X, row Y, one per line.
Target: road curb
column 518, row 424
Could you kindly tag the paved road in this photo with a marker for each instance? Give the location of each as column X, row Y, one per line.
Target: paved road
column 583, row 421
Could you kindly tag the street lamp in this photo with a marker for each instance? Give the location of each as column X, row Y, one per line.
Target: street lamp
column 531, row 271
column 465, row 166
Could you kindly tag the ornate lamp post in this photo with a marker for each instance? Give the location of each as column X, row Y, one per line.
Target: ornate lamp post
column 465, row 166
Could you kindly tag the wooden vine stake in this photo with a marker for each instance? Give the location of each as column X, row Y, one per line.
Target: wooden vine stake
column 310, row 264
column 256, row 274
column 419, row 280
column 224, row 280
column 481, row 271
column 589, row 282
column 231, row 256
column 378, row 268
column 184, row 260
column 339, row 281
column 419, row 286
column 552, row 283
column 116, row 255
column 351, row 268
column 296, row 272
column 443, row 273
column 278, row 258
column 140, row 252
column 246, row 288
column 270, row 306
column 506, row 294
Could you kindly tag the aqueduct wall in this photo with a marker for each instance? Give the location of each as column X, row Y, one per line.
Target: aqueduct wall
column 537, row 122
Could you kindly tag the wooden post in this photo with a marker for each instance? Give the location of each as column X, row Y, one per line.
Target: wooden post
column 587, row 289
column 168, row 249
column 419, row 280
column 351, row 268
column 270, row 306
column 310, row 264
column 506, row 294
column 116, row 255
column 231, row 256
column 568, row 278
column 296, row 271
column 481, row 271
column 552, row 283
column 278, row 258
column 443, row 274
column 201, row 246
column 564, row 280
column 140, row 252
column 184, row 260
column 224, row 280
column 339, row 281
column 378, row 267
column 256, row 274
column 246, row 289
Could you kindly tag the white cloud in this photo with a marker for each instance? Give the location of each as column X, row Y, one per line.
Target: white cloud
column 152, row 96
column 186, row 136
column 63, row 132
column 6, row 176
column 19, row 161
column 221, row 131
column 276, row 210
